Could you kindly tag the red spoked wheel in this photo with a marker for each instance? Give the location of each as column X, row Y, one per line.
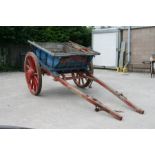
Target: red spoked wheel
column 80, row 78
column 33, row 73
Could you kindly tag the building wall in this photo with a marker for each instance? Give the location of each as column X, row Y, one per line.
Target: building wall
column 12, row 55
column 142, row 46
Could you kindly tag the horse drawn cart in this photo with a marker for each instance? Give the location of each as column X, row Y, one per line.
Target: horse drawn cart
column 63, row 62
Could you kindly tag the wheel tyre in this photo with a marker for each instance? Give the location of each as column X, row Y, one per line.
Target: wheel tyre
column 33, row 73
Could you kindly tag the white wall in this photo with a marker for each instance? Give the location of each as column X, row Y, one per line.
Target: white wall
column 106, row 44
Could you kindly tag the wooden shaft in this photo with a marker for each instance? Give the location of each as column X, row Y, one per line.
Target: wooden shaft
column 117, row 94
column 89, row 98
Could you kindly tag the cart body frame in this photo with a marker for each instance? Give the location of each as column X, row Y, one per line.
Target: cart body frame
column 62, row 61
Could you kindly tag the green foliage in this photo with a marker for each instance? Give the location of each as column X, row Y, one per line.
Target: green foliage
column 19, row 34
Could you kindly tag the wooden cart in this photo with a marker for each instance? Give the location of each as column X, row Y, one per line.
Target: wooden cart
column 63, row 62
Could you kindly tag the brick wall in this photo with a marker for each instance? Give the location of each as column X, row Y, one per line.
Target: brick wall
column 142, row 46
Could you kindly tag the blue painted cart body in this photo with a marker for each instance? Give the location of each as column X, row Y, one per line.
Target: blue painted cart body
column 65, row 58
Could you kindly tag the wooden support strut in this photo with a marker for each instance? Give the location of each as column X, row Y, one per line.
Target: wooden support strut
column 90, row 99
column 117, row 94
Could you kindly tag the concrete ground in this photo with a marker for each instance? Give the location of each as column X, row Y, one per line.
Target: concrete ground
column 57, row 107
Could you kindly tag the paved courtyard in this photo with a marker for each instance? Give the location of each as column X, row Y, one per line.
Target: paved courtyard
column 57, row 107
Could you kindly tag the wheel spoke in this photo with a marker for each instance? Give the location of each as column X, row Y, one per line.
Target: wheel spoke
column 29, row 80
column 27, row 66
column 82, row 81
column 79, row 81
column 77, row 75
column 29, row 74
column 31, row 63
column 36, row 79
column 35, row 74
column 31, row 84
column 36, row 82
column 35, row 85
